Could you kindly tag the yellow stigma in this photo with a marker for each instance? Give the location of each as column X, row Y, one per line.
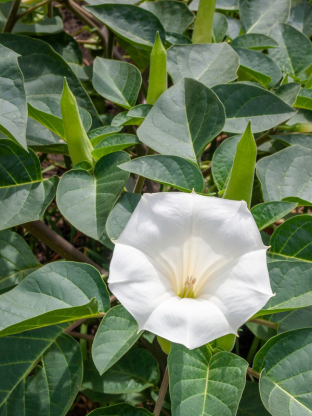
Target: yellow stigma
column 187, row 291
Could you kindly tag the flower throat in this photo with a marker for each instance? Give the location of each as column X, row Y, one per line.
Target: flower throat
column 188, row 291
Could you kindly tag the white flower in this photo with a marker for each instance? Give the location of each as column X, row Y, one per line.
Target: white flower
column 190, row 268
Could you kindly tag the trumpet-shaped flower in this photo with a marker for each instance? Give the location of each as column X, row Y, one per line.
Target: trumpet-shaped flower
column 190, row 268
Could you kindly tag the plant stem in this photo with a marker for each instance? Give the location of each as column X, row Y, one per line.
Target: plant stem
column 253, row 349
column 110, row 44
column 204, row 22
column 265, row 137
column 12, row 17
column 264, row 323
column 28, row 11
column 83, row 341
column 162, row 393
column 253, row 373
column 50, row 10
column 79, row 335
column 140, row 181
column 59, row 244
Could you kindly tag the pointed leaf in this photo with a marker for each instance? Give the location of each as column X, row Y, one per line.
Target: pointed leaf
column 100, row 133
column 219, row 27
column 254, row 41
column 267, row 213
column 113, row 143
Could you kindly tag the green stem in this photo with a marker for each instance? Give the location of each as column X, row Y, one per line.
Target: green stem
column 158, row 72
column 204, row 22
column 264, row 323
column 253, row 373
column 43, row 3
column 253, row 349
column 83, row 342
column 50, row 10
column 12, row 17
column 308, row 84
column 162, row 393
column 110, row 45
column 140, row 181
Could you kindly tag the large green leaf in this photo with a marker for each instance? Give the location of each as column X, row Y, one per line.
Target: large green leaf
column 301, row 17
column 254, row 41
column 267, row 213
column 66, row 46
column 58, row 292
column 304, row 140
column 116, row 335
column 211, row 64
column 120, row 215
column 251, row 404
column 287, row 175
column 86, row 200
column 133, row 24
column 24, row 195
column 40, row 138
column 293, row 239
column 294, row 53
column 16, row 259
column 183, row 121
column 117, row 81
column 259, row 67
column 284, row 363
column 169, row 170
column 259, row 16
column 113, row 143
column 297, row 319
column 44, row 80
column 122, row 409
column 55, row 382
column 222, row 161
column 175, row 16
column 13, row 105
column 246, row 102
column 196, row 377
column 135, row 371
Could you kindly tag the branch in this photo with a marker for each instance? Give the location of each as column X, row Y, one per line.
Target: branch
column 59, row 244
column 12, row 17
column 264, row 323
column 43, row 3
column 82, row 336
column 253, row 373
column 162, row 393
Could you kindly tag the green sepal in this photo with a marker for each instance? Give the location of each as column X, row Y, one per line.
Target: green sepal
column 158, row 71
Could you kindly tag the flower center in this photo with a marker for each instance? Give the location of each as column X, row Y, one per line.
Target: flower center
column 187, row 291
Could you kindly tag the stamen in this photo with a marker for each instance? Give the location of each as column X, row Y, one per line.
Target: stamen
column 187, row 291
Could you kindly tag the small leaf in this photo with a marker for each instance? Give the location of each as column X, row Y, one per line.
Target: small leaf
column 133, row 24
column 16, row 259
column 254, row 41
column 111, row 80
column 245, row 102
column 86, row 200
column 294, row 53
column 304, row 99
column 241, row 179
column 117, row 333
column 304, row 140
column 195, row 377
column 169, row 170
column 56, row 293
column 287, row 175
column 183, row 121
column 285, row 372
column 288, row 92
column 122, row 409
column 210, row 64
column 121, row 213
column 267, row 213
column 114, row 143
column 219, row 27
column 259, row 16
column 100, row 133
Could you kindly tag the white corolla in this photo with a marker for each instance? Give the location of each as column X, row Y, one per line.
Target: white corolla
column 190, row 268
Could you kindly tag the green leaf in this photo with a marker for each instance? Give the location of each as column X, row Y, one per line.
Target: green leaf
column 290, row 281
column 288, row 92
column 169, row 170
column 251, row 404
column 259, row 67
column 122, row 409
column 297, row 319
column 304, row 140
column 177, row 39
column 117, row 333
column 227, row 5
column 294, row 53
column 267, row 213
column 254, row 41
column 234, row 27
column 245, row 102
column 140, row 57
column 133, row 24
column 86, row 200
column 301, row 18
column 137, row 370
column 219, row 27
column 13, row 105
column 287, row 175
column 210, row 64
column 24, row 195
column 121, row 213
column 196, row 377
column 304, row 99
column 100, row 133
column 158, row 78
column 175, row 16
column 113, row 143
column 44, row 81
column 41, row 139
column 293, row 239
column 16, row 259
column 259, row 16
column 284, row 363
column 111, row 80
column 65, row 45
column 54, row 384
column 56, row 293
column 183, row 121
column 222, row 161
column 240, row 183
